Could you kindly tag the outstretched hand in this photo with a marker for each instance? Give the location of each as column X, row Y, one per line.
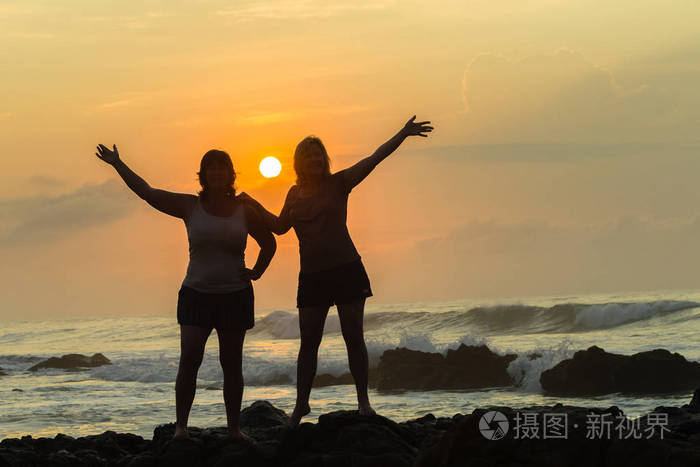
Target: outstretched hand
column 109, row 156
column 413, row 128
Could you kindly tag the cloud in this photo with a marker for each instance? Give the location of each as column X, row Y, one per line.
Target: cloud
column 546, row 152
column 119, row 103
column 46, row 181
column 495, row 259
column 128, row 99
column 494, row 80
column 42, row 219
column 565, row 97
column 29, row 35
column 250, row 117
column 298, row 9
column 264, row 118
column 21, row 9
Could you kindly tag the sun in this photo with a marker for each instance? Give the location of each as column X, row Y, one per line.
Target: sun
column 270, row 167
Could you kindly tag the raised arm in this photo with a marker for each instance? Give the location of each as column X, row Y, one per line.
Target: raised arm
column 264, row 238
column 281, row 224
column 174, row 204
column 355, row 174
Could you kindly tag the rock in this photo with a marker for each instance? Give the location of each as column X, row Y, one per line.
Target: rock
column 278, row 380
column 182, row 453
column 48, row 445
column 17, row 390
column 642, row 452
column 345, row 438
column 72, row 362
column 141, row 460
column 109, row 445
column 657, row 371
column 426, row 430
column 90, row 457
column 207, row 446
column 61, row 458
column 478, row 366
column 106, row 444
column 262, row 414
column 330, row 380
column 131, row 443
column 240, row 453
column 62, row 441
column 18, row 457
column 334, row 421
column 409, row 369
column 346, row 378
column 694, row 405
column 468, row 367
column 595, row 371
column 588, row 372
column 464, row 443
column 164, row 433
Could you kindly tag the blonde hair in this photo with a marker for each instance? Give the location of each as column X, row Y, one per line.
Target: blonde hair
column 302, row 150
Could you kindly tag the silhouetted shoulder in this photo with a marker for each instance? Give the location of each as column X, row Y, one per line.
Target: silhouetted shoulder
column 190, row 203
column 244, row 198
column 292, row 194
column 252, row 216
column 340, row 182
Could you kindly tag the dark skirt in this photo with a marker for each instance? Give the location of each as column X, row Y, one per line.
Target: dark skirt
column 220, row 311
column 340, row 285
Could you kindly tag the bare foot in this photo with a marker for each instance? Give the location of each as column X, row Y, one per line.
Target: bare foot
column 297, row 415
column 181, row 433
column 366, row 410
column 238, row 435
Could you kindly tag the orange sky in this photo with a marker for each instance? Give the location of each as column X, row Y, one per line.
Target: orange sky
column 563, row 161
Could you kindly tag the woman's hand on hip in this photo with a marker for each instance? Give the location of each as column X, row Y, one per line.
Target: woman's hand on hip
column 250, row 274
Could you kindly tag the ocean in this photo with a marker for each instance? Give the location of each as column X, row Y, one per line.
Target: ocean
column 136, row 393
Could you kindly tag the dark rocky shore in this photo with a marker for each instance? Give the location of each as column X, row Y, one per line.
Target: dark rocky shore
column 346, row 439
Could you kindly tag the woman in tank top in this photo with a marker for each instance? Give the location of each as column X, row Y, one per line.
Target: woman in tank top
column 216, row 292
column 331, row 271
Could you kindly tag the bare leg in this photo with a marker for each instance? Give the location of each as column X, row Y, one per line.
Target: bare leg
column 192, row 342
column 351, row 316
column 311, row 322
column 231, row 358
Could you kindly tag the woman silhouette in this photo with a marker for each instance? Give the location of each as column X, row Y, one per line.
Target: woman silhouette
column 217, row 292
column 331, row 269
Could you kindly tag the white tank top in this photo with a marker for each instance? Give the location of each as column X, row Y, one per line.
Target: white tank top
column 217, row 246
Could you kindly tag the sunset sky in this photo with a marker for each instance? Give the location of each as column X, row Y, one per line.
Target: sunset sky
column 565, row 158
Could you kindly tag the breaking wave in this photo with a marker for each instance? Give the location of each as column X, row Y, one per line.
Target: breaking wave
column 565, row 317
